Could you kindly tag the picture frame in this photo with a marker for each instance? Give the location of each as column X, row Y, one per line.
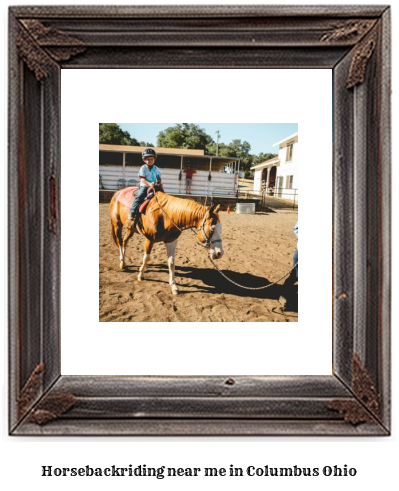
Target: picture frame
column 352, row 41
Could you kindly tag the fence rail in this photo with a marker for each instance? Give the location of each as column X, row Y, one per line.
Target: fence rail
column 272, row 197
column 112, row 178
column 287, row 194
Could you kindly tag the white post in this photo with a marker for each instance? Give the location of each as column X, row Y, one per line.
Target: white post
column 236, row 182
column 181, row 170
column 124, row 165
column 268, row 176
column 237, row 179
column 210, row 172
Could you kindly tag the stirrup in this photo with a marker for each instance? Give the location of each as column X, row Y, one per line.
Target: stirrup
column 135, row 221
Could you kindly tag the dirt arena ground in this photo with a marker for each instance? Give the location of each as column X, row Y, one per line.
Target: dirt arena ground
column 258, row 250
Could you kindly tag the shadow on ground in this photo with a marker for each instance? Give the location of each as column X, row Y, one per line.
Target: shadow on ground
column 214, row 283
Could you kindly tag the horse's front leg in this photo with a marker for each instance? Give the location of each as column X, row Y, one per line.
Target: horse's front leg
column 148, row 244
column 171, row 250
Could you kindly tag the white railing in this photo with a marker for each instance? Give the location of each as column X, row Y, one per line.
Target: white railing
column 220, row 182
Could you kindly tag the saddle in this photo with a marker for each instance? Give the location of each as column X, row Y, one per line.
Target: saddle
column 150, row 195
column 126, row 196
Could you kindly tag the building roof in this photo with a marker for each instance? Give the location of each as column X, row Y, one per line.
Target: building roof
column 268, row 163
column 195, row 158
column 131, row 148
column 291, row 137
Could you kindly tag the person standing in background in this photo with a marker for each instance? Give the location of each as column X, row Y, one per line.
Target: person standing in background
column 189, row 178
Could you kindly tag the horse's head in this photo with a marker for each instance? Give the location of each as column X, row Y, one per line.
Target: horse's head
column 210, row 232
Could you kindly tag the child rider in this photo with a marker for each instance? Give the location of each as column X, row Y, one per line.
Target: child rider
column 149, row 176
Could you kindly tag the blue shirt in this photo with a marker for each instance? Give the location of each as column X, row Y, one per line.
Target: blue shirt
column 148, row 174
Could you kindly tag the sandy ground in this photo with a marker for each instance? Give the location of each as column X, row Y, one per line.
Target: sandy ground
column 258, row 250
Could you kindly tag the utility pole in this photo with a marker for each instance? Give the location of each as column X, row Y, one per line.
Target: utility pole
column 217, row 143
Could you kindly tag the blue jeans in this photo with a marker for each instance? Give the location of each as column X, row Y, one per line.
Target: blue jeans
column 295, row 260
column 139, row 199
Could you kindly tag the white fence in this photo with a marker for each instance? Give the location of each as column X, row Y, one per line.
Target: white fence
column 221, row 184
column 276, row 197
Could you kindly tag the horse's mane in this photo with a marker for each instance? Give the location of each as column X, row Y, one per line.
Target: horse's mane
column 184, row 212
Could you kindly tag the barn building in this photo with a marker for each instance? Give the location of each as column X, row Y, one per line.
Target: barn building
column 216, row 176
column 279, row 175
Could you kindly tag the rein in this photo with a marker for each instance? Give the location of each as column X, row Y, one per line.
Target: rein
column 209, row 242
column 249, row 287
column 208, row 239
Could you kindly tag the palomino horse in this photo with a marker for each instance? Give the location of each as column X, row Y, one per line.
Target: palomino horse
column 164, row 220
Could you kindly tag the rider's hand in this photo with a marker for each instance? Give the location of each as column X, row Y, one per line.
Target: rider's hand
column 152, row 185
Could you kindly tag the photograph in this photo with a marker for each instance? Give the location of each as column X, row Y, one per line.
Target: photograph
column 204, row 222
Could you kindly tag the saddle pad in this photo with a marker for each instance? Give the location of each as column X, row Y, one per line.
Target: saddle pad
column 126, row 196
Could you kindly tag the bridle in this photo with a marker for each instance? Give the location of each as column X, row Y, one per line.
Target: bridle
column 208, row 238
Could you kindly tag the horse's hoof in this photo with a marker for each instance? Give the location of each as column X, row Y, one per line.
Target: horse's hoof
column 175, row 290
column 140, row 277
column 122, row 265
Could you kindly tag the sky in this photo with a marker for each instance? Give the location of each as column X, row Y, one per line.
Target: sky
column 261, row 136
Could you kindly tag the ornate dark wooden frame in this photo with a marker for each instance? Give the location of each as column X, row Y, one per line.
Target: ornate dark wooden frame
column 352, row 41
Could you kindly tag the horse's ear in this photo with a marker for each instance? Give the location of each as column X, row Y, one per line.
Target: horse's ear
column 213, row 210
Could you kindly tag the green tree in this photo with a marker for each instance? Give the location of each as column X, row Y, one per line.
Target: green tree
column 262, row 157
column 240, row 149
column 237, row 148
column 112, row 134
column 222, row 148
column 184, row 135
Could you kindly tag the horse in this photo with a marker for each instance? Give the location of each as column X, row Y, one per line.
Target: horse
column 164, row 219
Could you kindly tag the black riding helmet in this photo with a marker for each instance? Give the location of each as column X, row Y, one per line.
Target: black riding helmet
column 149, row 152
